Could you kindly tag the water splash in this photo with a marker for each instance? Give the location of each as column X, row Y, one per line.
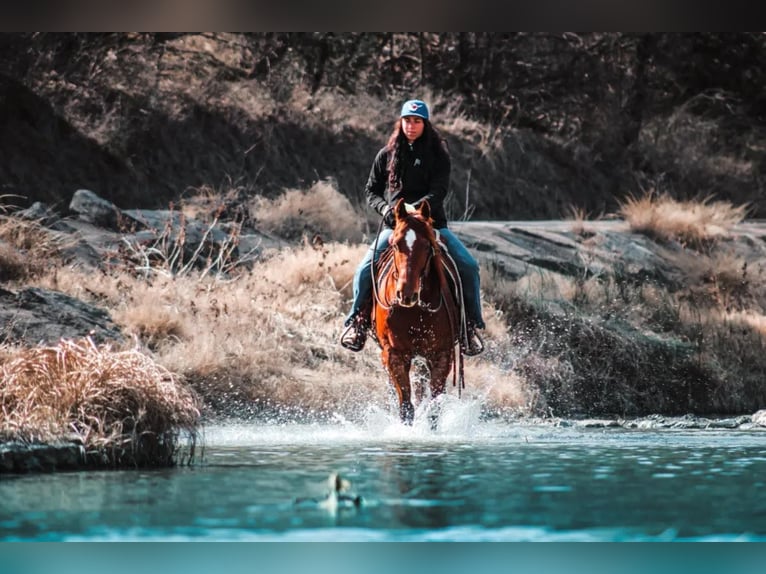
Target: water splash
column 456, row 420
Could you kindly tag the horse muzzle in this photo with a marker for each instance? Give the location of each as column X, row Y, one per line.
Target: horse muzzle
column 407, row 300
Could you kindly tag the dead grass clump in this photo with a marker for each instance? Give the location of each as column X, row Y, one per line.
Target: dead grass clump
column 693, row 223
column 153, row 322
column 732, row 346
column 26, row 248
column 13, row 265
column 579, row 218
column 225, row 203
column 720, row 280
column 319, row 211
column 751, row 319
column 126, row 409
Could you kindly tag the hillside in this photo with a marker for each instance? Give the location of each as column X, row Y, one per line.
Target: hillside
column 538, row 124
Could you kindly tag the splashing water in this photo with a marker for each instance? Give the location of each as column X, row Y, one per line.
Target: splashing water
column 457, row 420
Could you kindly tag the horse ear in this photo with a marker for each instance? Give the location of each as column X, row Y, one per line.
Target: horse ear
column 400, row 209
column 425, row 210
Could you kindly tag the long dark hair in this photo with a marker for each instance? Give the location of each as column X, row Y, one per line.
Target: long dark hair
column 432, row 142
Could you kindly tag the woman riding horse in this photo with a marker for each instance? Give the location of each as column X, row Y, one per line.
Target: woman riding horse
column 413, row 166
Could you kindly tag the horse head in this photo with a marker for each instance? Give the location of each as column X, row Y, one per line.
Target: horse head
column 413, row 242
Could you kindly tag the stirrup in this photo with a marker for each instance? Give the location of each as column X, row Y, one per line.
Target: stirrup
column 354, row 337
column 474, row 344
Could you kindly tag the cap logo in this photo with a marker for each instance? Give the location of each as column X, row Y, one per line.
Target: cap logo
column 415, row 108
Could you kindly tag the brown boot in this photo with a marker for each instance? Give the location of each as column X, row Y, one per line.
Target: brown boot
column 473, row 345
column 355, row 335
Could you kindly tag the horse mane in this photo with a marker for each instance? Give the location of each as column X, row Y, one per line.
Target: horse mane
column 438, row 261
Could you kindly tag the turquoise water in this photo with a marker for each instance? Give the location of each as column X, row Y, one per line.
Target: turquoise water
column 468, row 480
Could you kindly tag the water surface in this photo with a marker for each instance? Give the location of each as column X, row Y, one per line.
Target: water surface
column 468, row 480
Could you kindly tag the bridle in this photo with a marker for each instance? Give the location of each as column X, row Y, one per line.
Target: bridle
column 387, row 259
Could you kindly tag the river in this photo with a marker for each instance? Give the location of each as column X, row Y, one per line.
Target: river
column 469, row 479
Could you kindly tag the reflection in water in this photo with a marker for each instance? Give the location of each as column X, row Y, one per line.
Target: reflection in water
column 421, row 482
column 468, row 480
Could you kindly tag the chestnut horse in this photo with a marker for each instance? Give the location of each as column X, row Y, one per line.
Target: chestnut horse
column 417, row 307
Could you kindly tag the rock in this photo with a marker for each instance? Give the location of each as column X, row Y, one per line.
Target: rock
column 39, row 211
column 18, row 457
column 94, row 209
column 34, row 316
column 759, row 418
column 729, row 423
column 598, row 423
column 518, row 249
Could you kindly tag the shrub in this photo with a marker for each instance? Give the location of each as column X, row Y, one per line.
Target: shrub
column 125, row 408
column 694, row 223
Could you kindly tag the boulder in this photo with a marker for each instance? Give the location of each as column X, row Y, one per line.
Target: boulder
column 94, row 209
column 41, row 316
column 39, row 211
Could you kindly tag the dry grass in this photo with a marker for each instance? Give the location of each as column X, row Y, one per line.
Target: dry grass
column 182, row 248
column 26, row 248
column 321, row 210
column 126, row 409
column 579, row 218
column 266, row 342
column 721, row 280
column 693, row 223
column 13, row 265
column 610, row 345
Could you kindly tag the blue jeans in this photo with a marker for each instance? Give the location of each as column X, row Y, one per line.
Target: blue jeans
column 467, row 268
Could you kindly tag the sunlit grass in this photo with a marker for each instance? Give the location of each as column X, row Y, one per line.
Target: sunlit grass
column 690, row 222
column 124, row 407
column 320, row 210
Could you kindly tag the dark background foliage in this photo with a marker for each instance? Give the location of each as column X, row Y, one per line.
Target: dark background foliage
column 568, row 120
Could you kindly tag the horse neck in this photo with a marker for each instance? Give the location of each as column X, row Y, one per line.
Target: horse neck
column 438, row 266
column 437, row 261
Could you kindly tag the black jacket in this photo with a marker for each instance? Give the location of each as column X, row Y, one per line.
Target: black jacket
column 425, row 175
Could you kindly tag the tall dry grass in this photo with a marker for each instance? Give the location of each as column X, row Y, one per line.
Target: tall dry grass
column 27, row 248
column 266, row 341
column 320, row 210
column 693, row 223
column 125, row 408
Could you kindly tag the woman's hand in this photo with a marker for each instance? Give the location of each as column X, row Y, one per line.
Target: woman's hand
column 388, row 218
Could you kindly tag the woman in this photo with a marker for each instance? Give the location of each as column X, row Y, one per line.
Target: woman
column 414, row 165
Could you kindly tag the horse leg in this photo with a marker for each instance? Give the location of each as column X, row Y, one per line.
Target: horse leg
column 418, row 385
column 440, row 367
column 398, row 366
